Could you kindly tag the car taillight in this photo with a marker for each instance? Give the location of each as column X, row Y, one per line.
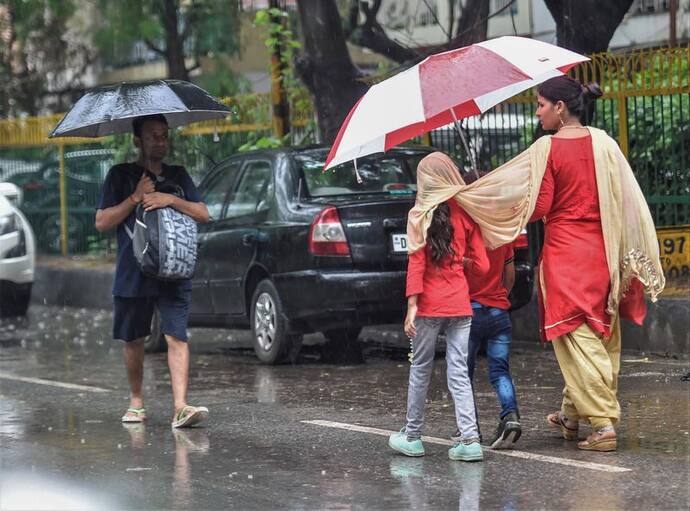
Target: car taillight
column 326, row 236
column 521, row 241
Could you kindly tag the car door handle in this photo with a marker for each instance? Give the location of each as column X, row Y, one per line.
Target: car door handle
column 248, row 239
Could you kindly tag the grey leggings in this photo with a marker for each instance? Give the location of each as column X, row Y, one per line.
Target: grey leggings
column 457, row 330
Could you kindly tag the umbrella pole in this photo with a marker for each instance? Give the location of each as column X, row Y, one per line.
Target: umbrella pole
column 458, row 128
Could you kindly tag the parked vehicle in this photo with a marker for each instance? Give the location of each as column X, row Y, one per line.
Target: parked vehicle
column 17, row 254
column 85, row 171
column 292, row 250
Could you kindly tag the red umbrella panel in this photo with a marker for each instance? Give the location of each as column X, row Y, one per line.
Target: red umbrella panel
column 452, row 85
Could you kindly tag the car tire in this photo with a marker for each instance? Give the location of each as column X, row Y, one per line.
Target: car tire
column 14, row 299
column 155, row 342
column 271, row 337
column 49, row 237
column 342, row 346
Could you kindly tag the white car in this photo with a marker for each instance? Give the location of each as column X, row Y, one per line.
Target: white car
column 17, row 254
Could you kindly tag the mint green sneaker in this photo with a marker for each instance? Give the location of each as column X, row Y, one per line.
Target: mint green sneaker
column 399, row 442
column 466, row 452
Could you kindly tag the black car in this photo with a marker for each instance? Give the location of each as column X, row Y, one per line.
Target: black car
column 292, row 249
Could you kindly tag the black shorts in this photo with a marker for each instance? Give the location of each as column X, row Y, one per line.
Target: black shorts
column 132, row 316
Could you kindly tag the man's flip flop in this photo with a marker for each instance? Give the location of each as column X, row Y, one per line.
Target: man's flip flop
column 134, row 415
column 189, row 415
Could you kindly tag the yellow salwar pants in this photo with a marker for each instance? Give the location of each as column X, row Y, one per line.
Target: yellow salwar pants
column 590, row 367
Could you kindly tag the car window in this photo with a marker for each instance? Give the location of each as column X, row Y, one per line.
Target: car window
column 254, row 191
column 388, row 173
column 218, row 188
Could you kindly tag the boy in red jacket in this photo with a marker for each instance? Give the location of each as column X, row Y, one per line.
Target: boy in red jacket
column 491, row 326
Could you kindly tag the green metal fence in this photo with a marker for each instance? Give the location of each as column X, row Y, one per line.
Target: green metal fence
column 646, row 107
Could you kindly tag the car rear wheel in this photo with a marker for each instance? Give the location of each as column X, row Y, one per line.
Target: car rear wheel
column 342, row 346
column 155, row 342
column 272, row 340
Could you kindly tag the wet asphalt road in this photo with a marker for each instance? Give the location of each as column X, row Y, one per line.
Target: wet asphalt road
column 63, row 390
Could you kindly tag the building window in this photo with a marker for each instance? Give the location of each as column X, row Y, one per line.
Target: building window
column 651, row 6
column 497, row 5
column 428, row 15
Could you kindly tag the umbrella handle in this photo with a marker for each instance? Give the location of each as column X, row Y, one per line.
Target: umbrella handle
column 359, row 178
column 464, row 143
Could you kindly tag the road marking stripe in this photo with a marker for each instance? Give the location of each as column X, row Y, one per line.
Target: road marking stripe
column 442, row 441
column 52, row 383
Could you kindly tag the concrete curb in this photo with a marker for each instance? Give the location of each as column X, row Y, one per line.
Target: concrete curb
column 73, row 287
column 666, row 329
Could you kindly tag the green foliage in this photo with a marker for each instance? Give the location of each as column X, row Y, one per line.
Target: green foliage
column 279, row 38
column 256, row 141
column 220, row 80
column 97, row 245
column 658, row 138
column 43, row 45
column 208, row 30
column 122, row 146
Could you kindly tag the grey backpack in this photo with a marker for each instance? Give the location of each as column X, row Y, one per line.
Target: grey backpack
column 164, row 241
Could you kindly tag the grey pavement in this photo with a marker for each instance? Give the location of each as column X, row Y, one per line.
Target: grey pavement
column 62, row 446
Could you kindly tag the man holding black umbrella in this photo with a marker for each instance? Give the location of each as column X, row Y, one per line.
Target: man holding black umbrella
column 135, row 295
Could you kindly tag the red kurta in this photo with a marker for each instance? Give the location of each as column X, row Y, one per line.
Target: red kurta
column 443, row 289
column 488, row 289
column 573, row 260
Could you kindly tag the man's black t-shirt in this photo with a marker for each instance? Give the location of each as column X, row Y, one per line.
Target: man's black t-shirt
column 120, row 183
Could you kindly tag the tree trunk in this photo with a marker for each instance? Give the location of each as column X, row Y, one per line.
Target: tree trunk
column 587, row 26
column 473, row 23
column 174, row 43
column 326, row 67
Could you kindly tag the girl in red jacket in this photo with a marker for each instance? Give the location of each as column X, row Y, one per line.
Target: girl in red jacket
column 438, row 302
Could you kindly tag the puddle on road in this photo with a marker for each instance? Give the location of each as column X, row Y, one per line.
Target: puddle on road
column 74, row 345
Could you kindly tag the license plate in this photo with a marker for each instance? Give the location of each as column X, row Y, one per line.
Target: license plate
column 399, row 242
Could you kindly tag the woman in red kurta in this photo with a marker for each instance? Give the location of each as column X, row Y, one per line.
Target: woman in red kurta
column 573, row 260
column 574, row 279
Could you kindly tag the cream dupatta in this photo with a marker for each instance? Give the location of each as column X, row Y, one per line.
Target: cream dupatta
column 503, row 201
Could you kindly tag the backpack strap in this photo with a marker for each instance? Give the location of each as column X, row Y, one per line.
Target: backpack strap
column 129, row 231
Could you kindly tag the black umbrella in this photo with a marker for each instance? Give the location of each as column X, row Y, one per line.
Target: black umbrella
column 110, row 109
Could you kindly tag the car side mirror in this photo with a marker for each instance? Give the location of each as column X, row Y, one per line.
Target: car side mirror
column 12, row 193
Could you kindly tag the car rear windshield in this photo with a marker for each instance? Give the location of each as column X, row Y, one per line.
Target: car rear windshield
column 392, row 173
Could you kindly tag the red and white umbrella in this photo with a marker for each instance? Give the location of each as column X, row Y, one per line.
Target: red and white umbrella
column 443, row 88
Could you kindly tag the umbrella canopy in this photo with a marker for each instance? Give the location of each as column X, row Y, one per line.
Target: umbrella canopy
column 445, row 87
column 110, row 109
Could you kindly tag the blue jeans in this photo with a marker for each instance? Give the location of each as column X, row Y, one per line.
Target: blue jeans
column 493, row 327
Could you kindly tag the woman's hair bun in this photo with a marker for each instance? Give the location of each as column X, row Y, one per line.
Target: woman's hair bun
column 592, row 90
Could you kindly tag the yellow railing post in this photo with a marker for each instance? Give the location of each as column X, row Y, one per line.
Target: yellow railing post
column 63, row 201
column 281, row 107
column 623, row 122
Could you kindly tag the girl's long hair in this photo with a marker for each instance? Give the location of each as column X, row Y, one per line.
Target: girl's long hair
column 440, row 234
